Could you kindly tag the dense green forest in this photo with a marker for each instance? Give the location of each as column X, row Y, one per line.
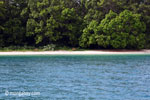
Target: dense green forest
column 94, row 24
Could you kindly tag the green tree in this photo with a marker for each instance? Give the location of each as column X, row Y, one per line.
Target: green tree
column 88, row 23
column 116, row 31
column 2, row 17
column 88, row 36
column 41, row 24
column 71, row 26
column 124, row 25
column 53, row 22
column 14, row 31
column 92, row 34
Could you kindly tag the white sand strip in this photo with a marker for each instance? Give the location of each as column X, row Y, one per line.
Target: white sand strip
column 96, row 52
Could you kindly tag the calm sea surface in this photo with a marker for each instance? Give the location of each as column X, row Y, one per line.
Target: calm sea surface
column 107, row 77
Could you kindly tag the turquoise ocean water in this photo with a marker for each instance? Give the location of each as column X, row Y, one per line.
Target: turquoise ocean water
column 97, row 77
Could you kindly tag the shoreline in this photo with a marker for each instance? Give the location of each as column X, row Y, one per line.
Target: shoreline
column 87, row 52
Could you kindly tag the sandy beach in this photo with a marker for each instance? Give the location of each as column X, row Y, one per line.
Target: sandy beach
column 90, row 52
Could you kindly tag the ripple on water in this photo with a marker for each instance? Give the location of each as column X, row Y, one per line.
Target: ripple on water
column 76, row 77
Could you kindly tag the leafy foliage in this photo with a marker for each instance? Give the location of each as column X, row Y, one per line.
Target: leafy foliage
column 115, row 30
column 115, row 24
column 49, row 47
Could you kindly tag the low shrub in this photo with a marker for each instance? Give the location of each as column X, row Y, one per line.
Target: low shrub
column 49, row 47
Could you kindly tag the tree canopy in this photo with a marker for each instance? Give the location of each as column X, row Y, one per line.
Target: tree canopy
column 94, row 24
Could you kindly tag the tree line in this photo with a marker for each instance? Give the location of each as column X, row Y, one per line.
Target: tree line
column 94, row 24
